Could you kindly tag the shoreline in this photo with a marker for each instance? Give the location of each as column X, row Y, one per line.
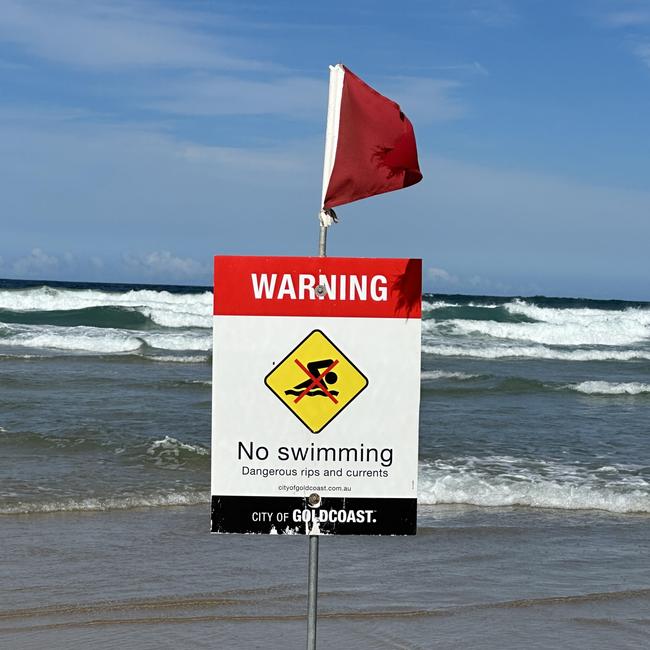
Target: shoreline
column 156, row 577
column 427, row 512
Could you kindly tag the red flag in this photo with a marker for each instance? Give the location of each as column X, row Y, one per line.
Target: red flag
column 370, row 145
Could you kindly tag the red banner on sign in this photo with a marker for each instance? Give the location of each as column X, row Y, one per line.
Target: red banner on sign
column 317, row 286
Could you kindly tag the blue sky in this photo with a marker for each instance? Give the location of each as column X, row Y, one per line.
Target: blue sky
column 138, row 139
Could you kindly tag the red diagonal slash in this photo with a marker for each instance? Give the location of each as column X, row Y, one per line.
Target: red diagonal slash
column 316, row 381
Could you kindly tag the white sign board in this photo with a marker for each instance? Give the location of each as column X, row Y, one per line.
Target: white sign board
column 316, row 390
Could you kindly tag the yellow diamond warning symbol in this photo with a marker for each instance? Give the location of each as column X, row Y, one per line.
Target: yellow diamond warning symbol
column 316, row 381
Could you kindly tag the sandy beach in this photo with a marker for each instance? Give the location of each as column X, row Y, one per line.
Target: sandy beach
column 155, row 578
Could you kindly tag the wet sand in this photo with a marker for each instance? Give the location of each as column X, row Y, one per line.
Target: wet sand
column 472, row 578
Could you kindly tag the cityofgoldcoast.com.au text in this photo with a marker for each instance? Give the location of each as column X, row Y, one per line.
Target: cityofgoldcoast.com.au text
column 315, row 488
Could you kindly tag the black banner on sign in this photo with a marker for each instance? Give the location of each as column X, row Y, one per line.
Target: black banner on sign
column 294, row 516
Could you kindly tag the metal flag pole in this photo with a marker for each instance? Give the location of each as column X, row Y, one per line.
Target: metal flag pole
column 326, row 218
column 312, row 592
column 322, row 242
column 314, row 500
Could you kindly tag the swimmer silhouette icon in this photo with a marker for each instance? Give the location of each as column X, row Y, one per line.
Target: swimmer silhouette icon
column 317, row 384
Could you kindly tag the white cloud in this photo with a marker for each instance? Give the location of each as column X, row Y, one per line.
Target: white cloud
column 628, row 18
column 268, row 164
column 633, row 22
column 12, row 65
column 484, row 285
column 423, row 99
column 147, row 191
column 138, row 181
column 53, row 116
column 154, row 266
column 525, row 229
column 427, row 100
column 220, row 95
column 443, row 281
column 492, row 13
column 37, row 262
column 472, row 68
column 475, row 67
column 115, row 34
column 163, row 264
column 642, row 50
column 441, row 277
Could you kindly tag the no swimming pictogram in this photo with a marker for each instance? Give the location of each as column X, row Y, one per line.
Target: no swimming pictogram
column 316, row 386
column 316, row 381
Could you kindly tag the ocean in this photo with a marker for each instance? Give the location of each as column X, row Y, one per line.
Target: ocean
column 534, row 484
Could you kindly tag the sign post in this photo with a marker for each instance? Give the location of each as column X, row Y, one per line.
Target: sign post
column 312, row 575
column 312, row 592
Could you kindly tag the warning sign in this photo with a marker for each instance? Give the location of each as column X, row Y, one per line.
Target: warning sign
column 316, row 381
column 315, row 395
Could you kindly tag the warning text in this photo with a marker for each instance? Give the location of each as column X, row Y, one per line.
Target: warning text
column 306, row 286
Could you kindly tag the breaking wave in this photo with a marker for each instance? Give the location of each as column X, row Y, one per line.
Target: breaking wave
column 166, row 450
column 169, row 358
column 153, row 500
column 561, row 334
column 163, row 323
column 465, row 481
column 427, row 375
column 555, row 329
column 171, row 453
column 610, row 388
column 101, row 340
column 535, row 352
column 97, row 308
column 84, row 339
column 107, row 321
column 507, row 481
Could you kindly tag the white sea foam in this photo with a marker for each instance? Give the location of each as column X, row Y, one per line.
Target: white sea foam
column 170, row 453
column 506, row 481
column 169, row 358
column 184, row 498
column 597, row 332
column 22, row 356
column 169, row 447
column 562, row 315
column 610, row 388
column 534, row 352
column 102, row 340
column 438, row 304
column 173, row 341
column 164, row 308
column 84, row 339
column 170, row 318
column 443, row 374
column 599, row 326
